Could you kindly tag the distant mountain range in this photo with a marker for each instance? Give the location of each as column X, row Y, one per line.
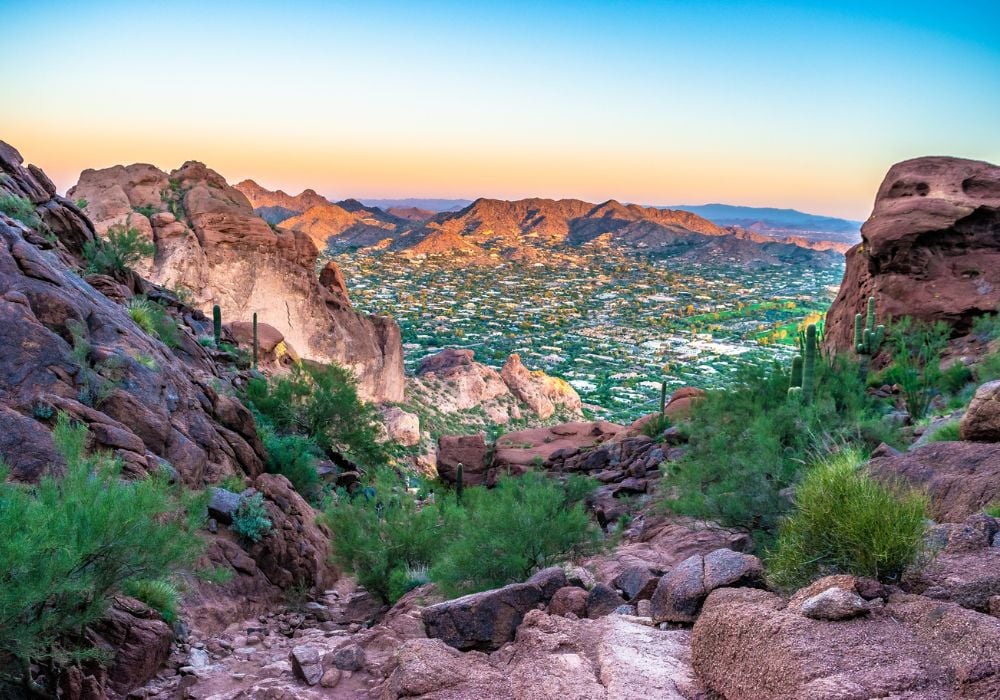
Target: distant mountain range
column 489, row 230
column 432, row 205
column 779, row 222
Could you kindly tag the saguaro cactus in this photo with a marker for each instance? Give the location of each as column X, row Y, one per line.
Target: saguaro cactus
column 809, row 365
column 797, row 371
column 217, row 323
column 867, row 337
column 663, row 397
column 255, row 340
column 459, row 486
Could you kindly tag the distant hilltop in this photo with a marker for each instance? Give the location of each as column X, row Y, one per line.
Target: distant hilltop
column 778, row 222
column 487, row 231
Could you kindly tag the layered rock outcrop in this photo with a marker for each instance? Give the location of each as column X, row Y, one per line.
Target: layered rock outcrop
column 930, row 250
column 69, row 345
column 211, row 244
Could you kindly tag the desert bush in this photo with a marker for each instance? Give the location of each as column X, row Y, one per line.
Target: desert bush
column 949, row 432
column 846, row 522
column 321, row 402
column 916, row 359
column 294, row 457
column 70, row 543
column 19, row 208
column 394, row 540
column 988, row 368
column 749, row 442
column 987, row 327
column 154, row 320
column 160, row 594
column 383, row 532
column 250, row 520
column 123, row 248
column 526, row 523
column 655, row 426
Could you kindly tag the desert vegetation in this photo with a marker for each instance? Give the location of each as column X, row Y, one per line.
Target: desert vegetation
column 73, row 541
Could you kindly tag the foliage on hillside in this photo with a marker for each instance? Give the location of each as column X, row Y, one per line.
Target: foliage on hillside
column 70, row 543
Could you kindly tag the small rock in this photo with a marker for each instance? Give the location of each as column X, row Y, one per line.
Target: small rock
column 549, row 580
column 636, row 583
column 602, row 600
column 330, row 679
column 624, row 610
column 198, row 658
column 306, row 664
column 569, row 600
column 834, row 604
column 644, row 608
column 349, row 657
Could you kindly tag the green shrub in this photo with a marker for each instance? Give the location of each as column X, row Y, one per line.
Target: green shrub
column 19, row 208
column 81, row 204
column 293, row 456
column 159, row 594
column 154, row 319
column 992, row 510
column 234, row 483
column 146, row 210
column 321, row 402
column 393, row 541
column 949, row 432
column 749, row 442
column 916, row 360
column 988, row 368
column 141, row 312
column 123, row 248
column 382, row 532
column 955, row 378
column 69, row 544
column 846, row 522
column 526, row 523
column 656, row 425
column 987, row 327
column 250, row 520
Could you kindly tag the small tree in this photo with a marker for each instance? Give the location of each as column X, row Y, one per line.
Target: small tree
column 68, row 545
column 123, row 248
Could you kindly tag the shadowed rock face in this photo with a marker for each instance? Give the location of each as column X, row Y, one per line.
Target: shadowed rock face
column 930, row 250
column 161, row 408
column 210, row 242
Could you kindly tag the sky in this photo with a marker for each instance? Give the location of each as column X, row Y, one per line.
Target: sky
column 802, row 105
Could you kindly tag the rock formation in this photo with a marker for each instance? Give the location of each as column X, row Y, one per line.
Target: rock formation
column 70, row 346
column 929, row 250
column 211, row 244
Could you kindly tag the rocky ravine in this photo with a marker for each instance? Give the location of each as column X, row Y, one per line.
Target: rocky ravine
column 66, row 334
column 210, row 243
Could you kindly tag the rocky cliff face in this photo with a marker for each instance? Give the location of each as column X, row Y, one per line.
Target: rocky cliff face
column 69, row 345
column 211, row 244
column 930, row 250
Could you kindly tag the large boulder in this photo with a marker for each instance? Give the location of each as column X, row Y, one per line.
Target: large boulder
column 543, row 394
column 981, row 421
column 748, row 645
column 680, row 592
column 929, row 250
column 210, row 242
column 468, row 450
column 485, row 620
column 552, row 657
column 960, row 477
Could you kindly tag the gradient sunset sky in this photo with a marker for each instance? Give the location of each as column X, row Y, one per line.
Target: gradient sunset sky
column 799, row 105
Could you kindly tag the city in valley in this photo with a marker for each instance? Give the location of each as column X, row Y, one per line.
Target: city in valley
column 614, row 325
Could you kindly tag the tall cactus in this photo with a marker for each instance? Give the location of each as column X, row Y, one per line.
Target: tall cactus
column 255, row 340
column 459, row 485
column 663, row 397
column 809, row 365
column 217, row 323
column 867, row 337
column 797, row 371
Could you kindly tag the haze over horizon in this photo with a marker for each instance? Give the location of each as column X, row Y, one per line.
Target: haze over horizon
column 763, row 104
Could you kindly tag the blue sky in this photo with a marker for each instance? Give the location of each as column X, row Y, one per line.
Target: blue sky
column 782, row 104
